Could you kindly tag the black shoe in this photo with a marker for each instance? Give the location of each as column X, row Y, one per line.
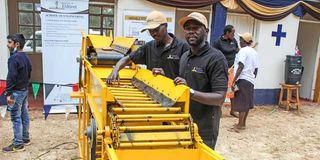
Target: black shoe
column 13, row 148
column 26, row 142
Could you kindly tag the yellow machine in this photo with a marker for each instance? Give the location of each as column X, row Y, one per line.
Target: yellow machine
column 141, row 117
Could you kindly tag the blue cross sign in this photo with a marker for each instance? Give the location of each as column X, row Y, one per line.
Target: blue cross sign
column 279, row 34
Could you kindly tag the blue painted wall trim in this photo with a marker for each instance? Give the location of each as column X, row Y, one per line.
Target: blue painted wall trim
column 266, row 96
column 218, row 20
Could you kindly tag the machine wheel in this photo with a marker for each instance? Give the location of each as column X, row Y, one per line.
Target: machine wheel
column 92, row 138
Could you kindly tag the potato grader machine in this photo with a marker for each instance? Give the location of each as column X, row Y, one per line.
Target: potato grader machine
column 140, row 117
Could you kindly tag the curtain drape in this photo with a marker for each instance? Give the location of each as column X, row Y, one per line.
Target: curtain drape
column 185, row 3
column 271, row 11
column 267, row 10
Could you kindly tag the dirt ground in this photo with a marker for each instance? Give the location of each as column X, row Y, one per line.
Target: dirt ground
column 269, row 135
column 45, row 135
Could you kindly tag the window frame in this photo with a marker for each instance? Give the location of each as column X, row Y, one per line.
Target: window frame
column 34, row 25
column 13, row 15
column 102, row 16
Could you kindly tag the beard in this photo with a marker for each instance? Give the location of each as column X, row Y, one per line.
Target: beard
column 195, row 41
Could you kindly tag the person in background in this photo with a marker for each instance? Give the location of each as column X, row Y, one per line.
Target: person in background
column 19, row 71
column 228, row 45
column 246, row 70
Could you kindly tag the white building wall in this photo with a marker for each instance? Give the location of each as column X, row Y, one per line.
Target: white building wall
column 123, row 5
column 3, row 39
column 271, row 57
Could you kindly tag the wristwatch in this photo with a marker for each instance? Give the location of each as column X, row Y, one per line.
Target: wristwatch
column 191, row 92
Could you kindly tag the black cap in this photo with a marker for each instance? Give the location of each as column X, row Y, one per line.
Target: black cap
column 17, row 37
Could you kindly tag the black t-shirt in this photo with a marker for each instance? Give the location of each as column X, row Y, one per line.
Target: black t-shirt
column 205, row 71
column 228, row 47
column 158, row 56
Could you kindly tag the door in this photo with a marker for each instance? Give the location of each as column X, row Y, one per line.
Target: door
column 316, row 97
column 307, row 42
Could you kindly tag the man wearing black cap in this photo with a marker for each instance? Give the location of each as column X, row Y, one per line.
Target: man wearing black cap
column 160, row 55
column 205, row 70
column 19, row 71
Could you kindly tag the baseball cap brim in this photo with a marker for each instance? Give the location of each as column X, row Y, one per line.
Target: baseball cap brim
column 244, row 38
column 240, row 35
column 150, row 26
column 183, row 20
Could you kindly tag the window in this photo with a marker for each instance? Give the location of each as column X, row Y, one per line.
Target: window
column 29, row 24
column 101, row 19
column 101, row 22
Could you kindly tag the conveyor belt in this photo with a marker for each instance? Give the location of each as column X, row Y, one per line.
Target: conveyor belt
column 141, row 122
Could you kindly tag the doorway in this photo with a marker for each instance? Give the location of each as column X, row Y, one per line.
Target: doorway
column 308, row 44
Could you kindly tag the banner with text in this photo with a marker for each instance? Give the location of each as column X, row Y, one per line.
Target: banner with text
column 62, row 22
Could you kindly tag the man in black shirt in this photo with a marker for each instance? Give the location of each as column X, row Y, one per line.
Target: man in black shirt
column 19, row 71
column 160, row 55
column 204, row 69
column 228, row 45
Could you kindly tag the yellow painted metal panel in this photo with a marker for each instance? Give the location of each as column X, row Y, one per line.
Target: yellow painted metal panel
column 132, row 98
column 137, row 101
column 154, row 116
column 173, row 109
column 129, row 94
column 111, row 153
column 166, row 87
column 153, row 128
column 124, row 42
column 98, row 41
column 155, row 144
column 207, row 152
column 150, row 120
column 95, row 111
column 140, row 105
column 123, row 89
column 161, row 136
column 165, row 154
column 77, row 94
column 159, row 154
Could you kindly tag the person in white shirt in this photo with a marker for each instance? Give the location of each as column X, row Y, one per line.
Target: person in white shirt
column 246, row 69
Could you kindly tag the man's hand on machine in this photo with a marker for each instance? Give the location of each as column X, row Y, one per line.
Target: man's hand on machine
column 179, row 80
column 113, row 77
column 157, row 71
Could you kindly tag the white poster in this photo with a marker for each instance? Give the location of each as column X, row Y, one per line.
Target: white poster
column 62, row 22
column 135, row 20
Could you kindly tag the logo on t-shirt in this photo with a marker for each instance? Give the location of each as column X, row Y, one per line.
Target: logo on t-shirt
column 197, row 70
column 173, row 56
